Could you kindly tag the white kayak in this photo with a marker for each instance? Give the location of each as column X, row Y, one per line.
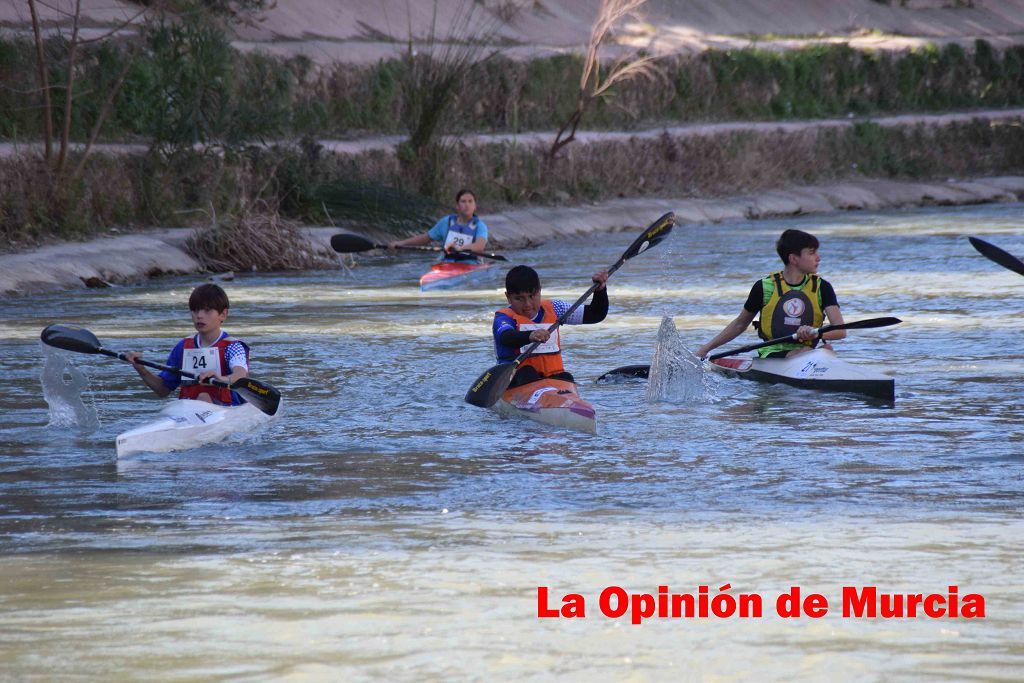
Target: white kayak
column 819, row 369
column 185, row 424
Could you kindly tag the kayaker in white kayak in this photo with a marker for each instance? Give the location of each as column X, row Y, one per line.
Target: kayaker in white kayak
column 527, row 318
column 460, row 231
column 210, row 353
column 793, row 300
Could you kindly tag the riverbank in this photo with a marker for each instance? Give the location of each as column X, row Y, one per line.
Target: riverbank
column 132, row 258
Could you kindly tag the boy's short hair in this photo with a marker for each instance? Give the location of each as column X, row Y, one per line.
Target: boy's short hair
column 522, row 279
column 465, row 190
column 208, row 297
column 794, row 241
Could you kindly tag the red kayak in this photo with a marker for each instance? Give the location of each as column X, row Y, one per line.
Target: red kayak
column 451, row 274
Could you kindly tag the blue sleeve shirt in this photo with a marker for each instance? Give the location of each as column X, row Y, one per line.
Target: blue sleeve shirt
column 502, row 322
column 439, row 232
column 171, row 380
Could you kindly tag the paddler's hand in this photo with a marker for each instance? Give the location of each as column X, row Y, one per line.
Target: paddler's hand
column 205, row 377
column 601, row 278
column 132, row 357
column 805, row 333
column 540, row 336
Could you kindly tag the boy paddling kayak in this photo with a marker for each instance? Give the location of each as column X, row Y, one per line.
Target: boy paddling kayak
column 526, row 319
column 793, row 301
column 208, row 354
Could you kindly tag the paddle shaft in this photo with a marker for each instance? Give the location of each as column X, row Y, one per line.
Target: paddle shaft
column 565, row 316
column 493, row 257
column 642, row 371
column 488, row 387
column 346, row 243
column 860, row 324
column 160, row 366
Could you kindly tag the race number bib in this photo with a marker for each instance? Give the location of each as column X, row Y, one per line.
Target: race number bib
column 198, row 361
column 457, row 241
column 550, row 346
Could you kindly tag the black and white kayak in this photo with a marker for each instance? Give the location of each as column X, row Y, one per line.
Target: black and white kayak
column 819, row 369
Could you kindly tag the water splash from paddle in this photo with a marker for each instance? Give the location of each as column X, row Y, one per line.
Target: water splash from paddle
column 678, row 376
column 62, row 389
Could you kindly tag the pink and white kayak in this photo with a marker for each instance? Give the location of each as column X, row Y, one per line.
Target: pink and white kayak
column 451, row 274
column 551, row 401
column 817, row 369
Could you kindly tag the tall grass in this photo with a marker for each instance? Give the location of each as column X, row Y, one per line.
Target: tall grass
column 189, row 86
column 371, row 190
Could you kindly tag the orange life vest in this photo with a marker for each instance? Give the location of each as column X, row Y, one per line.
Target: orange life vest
column 547, row 363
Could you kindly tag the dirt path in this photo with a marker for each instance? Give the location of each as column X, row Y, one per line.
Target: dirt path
column 360, row 32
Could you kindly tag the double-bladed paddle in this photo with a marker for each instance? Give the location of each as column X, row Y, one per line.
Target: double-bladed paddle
column 642, row 371
column 489, row 386
column 80, row 340
column 994, row 253
column 345, row 243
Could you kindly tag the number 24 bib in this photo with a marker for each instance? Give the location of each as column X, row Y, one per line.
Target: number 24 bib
column 198, row 361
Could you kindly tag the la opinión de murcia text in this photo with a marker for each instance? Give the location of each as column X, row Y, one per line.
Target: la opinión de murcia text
column 857, row 602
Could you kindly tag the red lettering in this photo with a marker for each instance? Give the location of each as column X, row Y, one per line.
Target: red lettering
column 815, row 605
column 974, row 606
column 643, row 607
column 935, row 606
column 621, row 602
column 892, row 606
column 788, row 604
column 859, row 604
column 573, row 606
column 543, row 611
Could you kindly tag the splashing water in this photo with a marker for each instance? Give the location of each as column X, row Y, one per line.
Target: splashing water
column 62, row 388
column 676, row 375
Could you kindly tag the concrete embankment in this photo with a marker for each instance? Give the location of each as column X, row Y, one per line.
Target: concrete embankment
column 132, row 258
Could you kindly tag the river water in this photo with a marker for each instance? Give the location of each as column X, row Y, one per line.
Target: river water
column 381, row 528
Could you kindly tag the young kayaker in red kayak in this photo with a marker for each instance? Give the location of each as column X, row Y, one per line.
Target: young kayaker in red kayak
column 793, row 300
column 527, row 318
column 210, row 353
column 460, row 231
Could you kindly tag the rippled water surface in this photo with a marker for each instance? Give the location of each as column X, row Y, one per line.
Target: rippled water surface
column 382, row 528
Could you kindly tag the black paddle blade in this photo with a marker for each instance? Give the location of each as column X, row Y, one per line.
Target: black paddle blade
column 346, row 244
column 71, row 338
column 265, row 397
column 655, row 233
column 994, row 253
column 489, row 387
column 626, row 372
column 864, row 324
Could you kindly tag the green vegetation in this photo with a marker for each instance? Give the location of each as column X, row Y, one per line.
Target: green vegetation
column 188, row 85
column 198, row 105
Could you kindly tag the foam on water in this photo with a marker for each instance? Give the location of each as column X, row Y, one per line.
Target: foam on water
column 62, row 389
column 677, row 375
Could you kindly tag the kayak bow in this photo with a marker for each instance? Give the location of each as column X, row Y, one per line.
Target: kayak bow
column 550, row 401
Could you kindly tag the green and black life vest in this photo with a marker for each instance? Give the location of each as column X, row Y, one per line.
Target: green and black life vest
column 785, row 308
